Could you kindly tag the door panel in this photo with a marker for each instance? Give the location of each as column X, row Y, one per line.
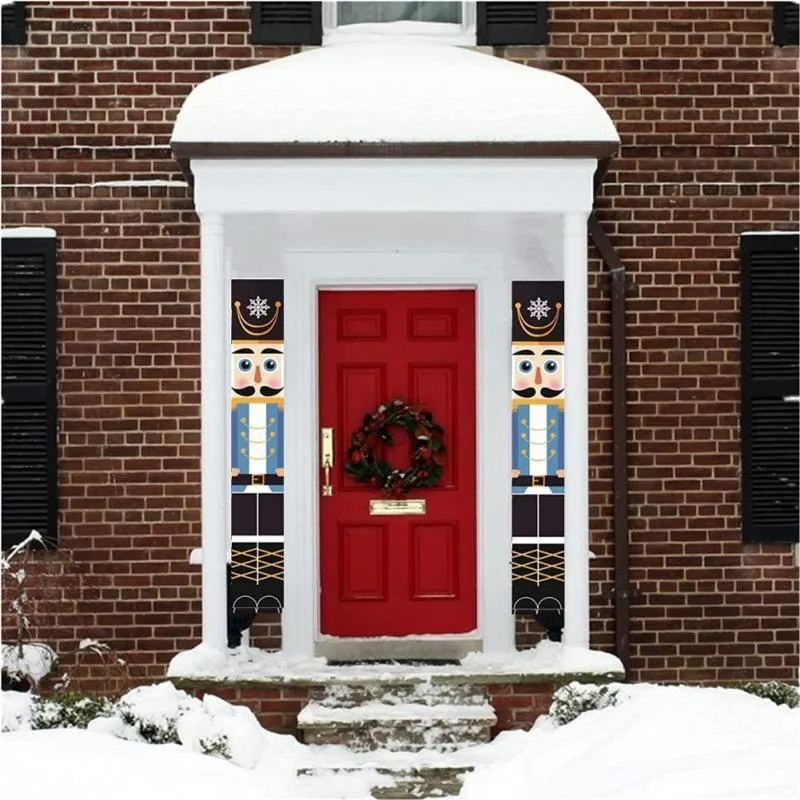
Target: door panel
column 399, row 575
column 364, row 568
column 434, row 552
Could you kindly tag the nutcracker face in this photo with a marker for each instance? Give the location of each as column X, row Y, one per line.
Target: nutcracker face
column 537, row 372
column 257, row 370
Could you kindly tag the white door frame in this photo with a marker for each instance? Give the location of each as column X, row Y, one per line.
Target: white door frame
column 306, row 274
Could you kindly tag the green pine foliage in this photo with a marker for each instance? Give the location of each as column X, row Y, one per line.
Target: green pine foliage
column 69, row 710
column 574, row 699
column 782, row 694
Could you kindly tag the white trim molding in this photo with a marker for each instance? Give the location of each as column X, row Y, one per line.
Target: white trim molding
column 319, row 185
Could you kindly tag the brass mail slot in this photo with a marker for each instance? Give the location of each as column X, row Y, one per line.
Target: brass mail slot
column 386, row 508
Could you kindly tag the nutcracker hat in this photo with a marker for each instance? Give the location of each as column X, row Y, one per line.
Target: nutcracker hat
column 537, row 312
column 257, row 310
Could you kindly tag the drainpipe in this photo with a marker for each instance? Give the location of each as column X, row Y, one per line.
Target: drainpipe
column 619, row 416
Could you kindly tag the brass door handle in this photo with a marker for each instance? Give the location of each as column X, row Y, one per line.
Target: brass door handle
column 326, row 455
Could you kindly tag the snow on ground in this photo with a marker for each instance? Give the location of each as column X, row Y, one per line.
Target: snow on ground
column 15, row 710
column 547, row 658
column 91, row 765
column 671, row 742
column 675, row 742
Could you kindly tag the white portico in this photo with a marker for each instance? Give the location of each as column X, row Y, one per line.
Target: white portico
column 393, row 166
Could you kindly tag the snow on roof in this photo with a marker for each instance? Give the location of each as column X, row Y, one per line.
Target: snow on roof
column 392, row 92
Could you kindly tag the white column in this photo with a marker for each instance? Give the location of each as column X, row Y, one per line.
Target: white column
column 494, row 466
column 576, row 462
column 300, row 514
column 214, row 412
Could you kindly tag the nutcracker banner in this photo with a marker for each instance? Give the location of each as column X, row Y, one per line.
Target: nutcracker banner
column 257, row 447
column 538, row 391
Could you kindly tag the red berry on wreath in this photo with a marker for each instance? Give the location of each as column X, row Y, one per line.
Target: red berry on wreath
column 425, row 453
column 374, row 481
column 356, row 456
column 423, row 474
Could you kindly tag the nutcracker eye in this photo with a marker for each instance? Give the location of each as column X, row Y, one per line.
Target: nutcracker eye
column 270, row 365
column 550, row 366
column 525, row 366
column 245, row 365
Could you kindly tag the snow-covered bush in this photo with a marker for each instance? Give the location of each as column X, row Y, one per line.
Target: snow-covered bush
column 162, row 714
column 25, row 665
column 780, row 693
column 157, row 714
column 573, row 699
column 152, row 712
column 70, row 710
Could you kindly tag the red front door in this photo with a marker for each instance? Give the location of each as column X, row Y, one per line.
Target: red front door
column 399, row 575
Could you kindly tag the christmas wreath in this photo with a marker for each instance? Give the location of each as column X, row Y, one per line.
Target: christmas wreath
column 427, row 458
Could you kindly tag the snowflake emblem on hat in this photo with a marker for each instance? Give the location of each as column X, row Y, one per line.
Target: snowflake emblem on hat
column 538, row 308
column 258, row 307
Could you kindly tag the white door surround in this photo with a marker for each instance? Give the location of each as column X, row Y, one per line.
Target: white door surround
column 307, row 273
column 301, row 186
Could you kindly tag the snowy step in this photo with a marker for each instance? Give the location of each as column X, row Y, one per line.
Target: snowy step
column 425, row 773
column 316, row 713
column 401, row 726
column 425, row 693
column 402, row 784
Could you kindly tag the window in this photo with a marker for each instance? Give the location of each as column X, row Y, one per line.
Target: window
column 449, row 22
column 770, row 423
column 459, row 23
column 14, row 30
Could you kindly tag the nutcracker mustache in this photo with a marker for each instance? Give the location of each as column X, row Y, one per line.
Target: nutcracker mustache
column 265, row 391
column 545, row 392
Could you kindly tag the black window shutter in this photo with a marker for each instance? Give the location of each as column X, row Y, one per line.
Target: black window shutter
column 770, row 336
column 14, row 30
column 29, row 412
column 512, row 23
column 786, row 24
column 286, row 23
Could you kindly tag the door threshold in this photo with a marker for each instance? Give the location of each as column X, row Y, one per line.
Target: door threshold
column 403, row 648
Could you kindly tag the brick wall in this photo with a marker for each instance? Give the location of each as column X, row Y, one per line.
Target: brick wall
column 707, row 111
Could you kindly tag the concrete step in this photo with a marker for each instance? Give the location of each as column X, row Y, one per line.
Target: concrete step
column 423, row 693
column 397, row 727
